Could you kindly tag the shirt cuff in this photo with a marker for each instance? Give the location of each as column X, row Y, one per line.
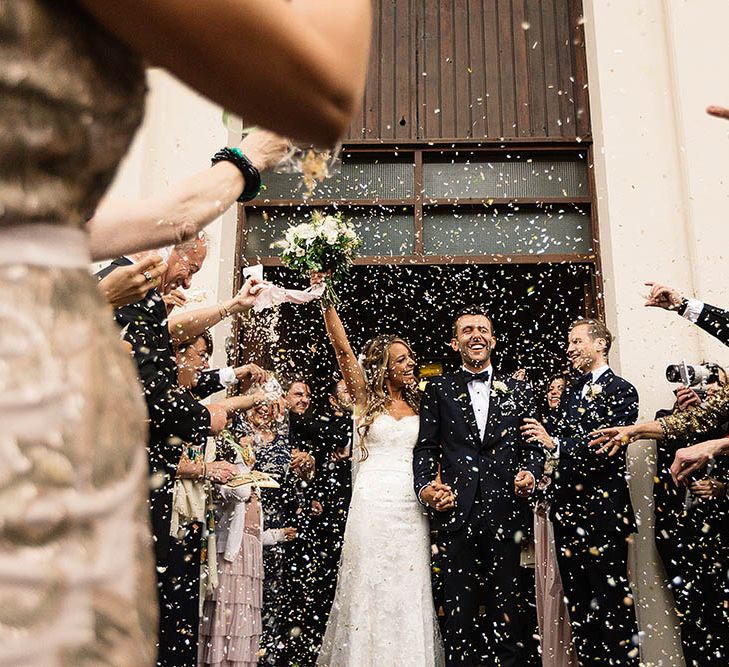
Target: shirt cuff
column 227, row 376
column 555, row 452
column 422, row 502
column 534, row 480
column 693, row 310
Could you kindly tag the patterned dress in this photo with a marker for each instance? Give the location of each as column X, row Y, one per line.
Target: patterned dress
column 76, row 572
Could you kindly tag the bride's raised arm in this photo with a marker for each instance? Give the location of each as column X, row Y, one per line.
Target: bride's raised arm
column 348, row 364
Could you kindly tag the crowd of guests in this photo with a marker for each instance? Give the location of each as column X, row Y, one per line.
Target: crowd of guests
column 247, row 569
column 246, row 566
column 74, row 551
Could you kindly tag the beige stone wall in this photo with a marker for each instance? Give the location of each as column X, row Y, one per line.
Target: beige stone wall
column 662, row 170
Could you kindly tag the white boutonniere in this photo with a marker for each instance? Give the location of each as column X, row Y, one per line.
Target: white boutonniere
column 593, row 391
column 422, row 385
column 500, row 387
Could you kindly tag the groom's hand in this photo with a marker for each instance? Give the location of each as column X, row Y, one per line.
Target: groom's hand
column 438, row 496
column 524, row 483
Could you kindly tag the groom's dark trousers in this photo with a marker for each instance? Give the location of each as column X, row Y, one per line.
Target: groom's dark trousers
column 480, row 538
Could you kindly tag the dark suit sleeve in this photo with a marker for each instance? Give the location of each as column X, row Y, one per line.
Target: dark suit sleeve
column 715, row 321
column 426, row 454
column 172, row 410
column 209, row 383
column 574, row 450
column 532, row 454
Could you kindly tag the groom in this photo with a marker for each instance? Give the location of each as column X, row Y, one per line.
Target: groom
column 474, row 471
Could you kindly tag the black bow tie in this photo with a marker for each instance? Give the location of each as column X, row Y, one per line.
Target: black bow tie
column 583, row 380
column 483, row 376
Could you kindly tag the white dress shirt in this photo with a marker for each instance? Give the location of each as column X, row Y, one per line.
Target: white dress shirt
column 693, row 310
column 480, row 394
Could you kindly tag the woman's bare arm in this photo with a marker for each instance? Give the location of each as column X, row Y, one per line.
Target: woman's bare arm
column 297, row 68
column 348, row 364
column 181, row 211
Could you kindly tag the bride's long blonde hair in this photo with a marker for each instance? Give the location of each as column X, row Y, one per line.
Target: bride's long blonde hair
column 375, row 360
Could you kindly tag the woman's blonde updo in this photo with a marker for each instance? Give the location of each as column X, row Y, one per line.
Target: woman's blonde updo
column 375, row 359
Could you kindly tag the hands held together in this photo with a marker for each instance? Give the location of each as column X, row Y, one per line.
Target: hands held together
column 438, row 496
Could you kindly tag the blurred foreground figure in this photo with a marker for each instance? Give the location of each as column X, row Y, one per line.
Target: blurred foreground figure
column 76, row 555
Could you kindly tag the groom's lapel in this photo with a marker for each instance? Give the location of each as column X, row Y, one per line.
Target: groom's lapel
column 493, row 420
column 463, row 398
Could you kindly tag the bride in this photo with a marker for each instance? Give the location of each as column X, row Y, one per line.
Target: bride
column 383, row 610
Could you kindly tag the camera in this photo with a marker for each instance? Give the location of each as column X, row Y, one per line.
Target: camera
column 692, row 375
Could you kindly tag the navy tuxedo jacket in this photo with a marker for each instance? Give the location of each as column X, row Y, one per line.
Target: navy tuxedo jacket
column 591, row 489
column 449, row 438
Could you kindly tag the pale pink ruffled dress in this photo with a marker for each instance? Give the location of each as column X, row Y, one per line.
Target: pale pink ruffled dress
column 230, row 626
column 552, row 613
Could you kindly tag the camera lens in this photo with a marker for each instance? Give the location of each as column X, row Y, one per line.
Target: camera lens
column 673, row 373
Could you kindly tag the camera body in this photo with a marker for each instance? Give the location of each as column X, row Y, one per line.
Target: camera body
column 693, row 375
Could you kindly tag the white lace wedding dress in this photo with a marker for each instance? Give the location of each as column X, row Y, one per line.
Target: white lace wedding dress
column 383, row 612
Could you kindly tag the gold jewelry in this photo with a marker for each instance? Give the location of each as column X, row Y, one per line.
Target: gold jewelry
column 223, row 311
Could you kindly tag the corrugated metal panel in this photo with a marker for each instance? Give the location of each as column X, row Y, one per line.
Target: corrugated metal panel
column 532, row 178
column 353, row 179
column 527, row 230
column 458, row 69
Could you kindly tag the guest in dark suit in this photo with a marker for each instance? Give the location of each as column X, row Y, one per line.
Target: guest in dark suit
column 474, row 471
column 177, row 420
column 591, row 510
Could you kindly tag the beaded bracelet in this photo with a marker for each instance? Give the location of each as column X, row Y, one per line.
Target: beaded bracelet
column 251, row 175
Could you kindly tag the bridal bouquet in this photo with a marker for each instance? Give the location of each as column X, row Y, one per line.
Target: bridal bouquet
column 326, row 244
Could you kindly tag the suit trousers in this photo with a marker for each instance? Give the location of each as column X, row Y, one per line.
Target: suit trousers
column 593, row 565
column 471, row 557
column 178, row 582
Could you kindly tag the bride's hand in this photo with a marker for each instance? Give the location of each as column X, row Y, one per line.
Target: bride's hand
column 317, row 277
column 438, row 496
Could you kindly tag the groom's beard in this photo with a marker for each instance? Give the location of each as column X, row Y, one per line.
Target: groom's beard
column 466, row 359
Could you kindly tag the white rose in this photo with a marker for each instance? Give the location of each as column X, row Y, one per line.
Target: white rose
column 300, row 252
column 330, row 230
column 305, row 231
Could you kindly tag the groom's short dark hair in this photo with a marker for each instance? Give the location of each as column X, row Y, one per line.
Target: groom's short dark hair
column 473, row 309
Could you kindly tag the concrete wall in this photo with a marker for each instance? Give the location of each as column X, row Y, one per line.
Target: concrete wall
column 662, row 173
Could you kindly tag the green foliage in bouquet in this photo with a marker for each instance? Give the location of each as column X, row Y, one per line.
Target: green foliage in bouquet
column 326, row 244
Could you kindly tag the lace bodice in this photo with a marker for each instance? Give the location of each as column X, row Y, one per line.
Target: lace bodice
column 390, row 442
column 71, row 98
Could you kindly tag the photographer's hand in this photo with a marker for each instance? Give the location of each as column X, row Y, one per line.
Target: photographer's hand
column 663, row 296
column 686, row 399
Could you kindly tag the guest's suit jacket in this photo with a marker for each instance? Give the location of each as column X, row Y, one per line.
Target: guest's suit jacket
column 715, row 321
column 449, row 439
column 591, row 490
column 175, row 415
